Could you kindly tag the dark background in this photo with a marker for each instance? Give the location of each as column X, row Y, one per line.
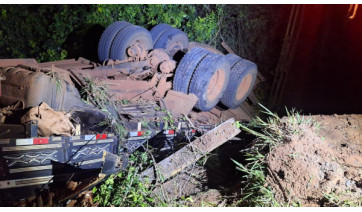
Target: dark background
column 326, row 72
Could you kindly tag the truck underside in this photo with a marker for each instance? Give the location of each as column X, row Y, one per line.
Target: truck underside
column 114, row 109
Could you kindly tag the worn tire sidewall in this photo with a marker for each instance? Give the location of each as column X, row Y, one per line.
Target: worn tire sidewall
column 202, row 76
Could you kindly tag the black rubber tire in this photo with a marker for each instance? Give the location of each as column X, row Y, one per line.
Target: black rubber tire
column 201, row 79
column 107, row 38
column 239, row 70
column 126, row 37
column 233, row 59
column 186, row 68
column 157, row 31
column 169, row 38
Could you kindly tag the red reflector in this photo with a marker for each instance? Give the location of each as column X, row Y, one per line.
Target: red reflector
column 193, row 131
column 40, row 140
column 171, row 132
column 101, row 136
column 140, row 133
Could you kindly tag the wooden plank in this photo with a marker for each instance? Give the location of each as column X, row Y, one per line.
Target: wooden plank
column 192, row 152
column 227, row 48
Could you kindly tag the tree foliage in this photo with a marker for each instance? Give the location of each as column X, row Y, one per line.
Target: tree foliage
column 55, row 32
column 44, row 31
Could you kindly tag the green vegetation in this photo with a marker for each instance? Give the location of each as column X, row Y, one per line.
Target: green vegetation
column 126, row 188
column 269, row 134
column 339, row 200
column 55, row 32
column 98, row 96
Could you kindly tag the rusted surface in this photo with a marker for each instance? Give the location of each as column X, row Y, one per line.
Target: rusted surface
column 70, row 64
column 192, row 152
column 141, row 111
column 138, row 50
column 167, row 66
column 157, row 56
column 215, row 85
column 179, row 103
column 162, row 87
column 128, row 89
column 1, row 78
column 244, row 86
column 53, row 86
column 205, row 46
column 15, row 62
column 100, row 73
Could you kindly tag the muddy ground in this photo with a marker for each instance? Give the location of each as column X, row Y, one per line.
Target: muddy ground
column 308, row 167
column 315, row 163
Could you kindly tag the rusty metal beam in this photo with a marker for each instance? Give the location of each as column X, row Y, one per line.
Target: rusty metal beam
column 192, row 152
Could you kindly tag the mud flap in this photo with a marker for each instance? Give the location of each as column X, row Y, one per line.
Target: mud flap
column 113, row 163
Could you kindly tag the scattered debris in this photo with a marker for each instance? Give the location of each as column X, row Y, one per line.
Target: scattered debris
column 179, row 103
column 192, row 152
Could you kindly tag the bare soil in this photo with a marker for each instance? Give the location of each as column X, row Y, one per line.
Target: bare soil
column 314, row 163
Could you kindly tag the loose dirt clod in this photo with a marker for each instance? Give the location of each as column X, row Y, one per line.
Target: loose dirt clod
column 311, row 166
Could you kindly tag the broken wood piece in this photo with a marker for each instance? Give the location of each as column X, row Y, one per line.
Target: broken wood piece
column 179, row 103
column 227, row 48
column 192, row 152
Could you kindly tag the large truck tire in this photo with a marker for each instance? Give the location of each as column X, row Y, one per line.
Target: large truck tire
column 210, row 80
column 242, row 79
column 158, row 30
column 205, row 46
column 128, row 36
column 186, row 68
column 172, row 40
column 107, row 38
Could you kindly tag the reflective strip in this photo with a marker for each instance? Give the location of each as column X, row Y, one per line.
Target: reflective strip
column 25, row 182
column 169, row 132
column 132, row 134
column 139, row 126
column 179, row 126
column 37, row 141
column 24, row 141
column 37, row 147
column 86, row 162
column 110, row 135
column 136, row 138
column 75, row 137
column 137, row 134
column 89, row 137
column 101, row 136
column 56, row 138
column 29, row 169
column 4, row 141
column 92, row 142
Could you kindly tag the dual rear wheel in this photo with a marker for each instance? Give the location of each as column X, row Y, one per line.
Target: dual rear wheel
column 202, row 71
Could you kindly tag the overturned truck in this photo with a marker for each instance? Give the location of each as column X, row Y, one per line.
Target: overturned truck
column 151, row 86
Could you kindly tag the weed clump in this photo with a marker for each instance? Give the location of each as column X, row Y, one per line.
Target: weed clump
column 269, row 134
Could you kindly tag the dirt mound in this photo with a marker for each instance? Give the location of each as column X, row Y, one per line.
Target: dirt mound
column 315, row 164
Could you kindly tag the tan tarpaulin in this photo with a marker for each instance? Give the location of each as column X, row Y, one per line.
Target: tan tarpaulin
column 50, row 122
